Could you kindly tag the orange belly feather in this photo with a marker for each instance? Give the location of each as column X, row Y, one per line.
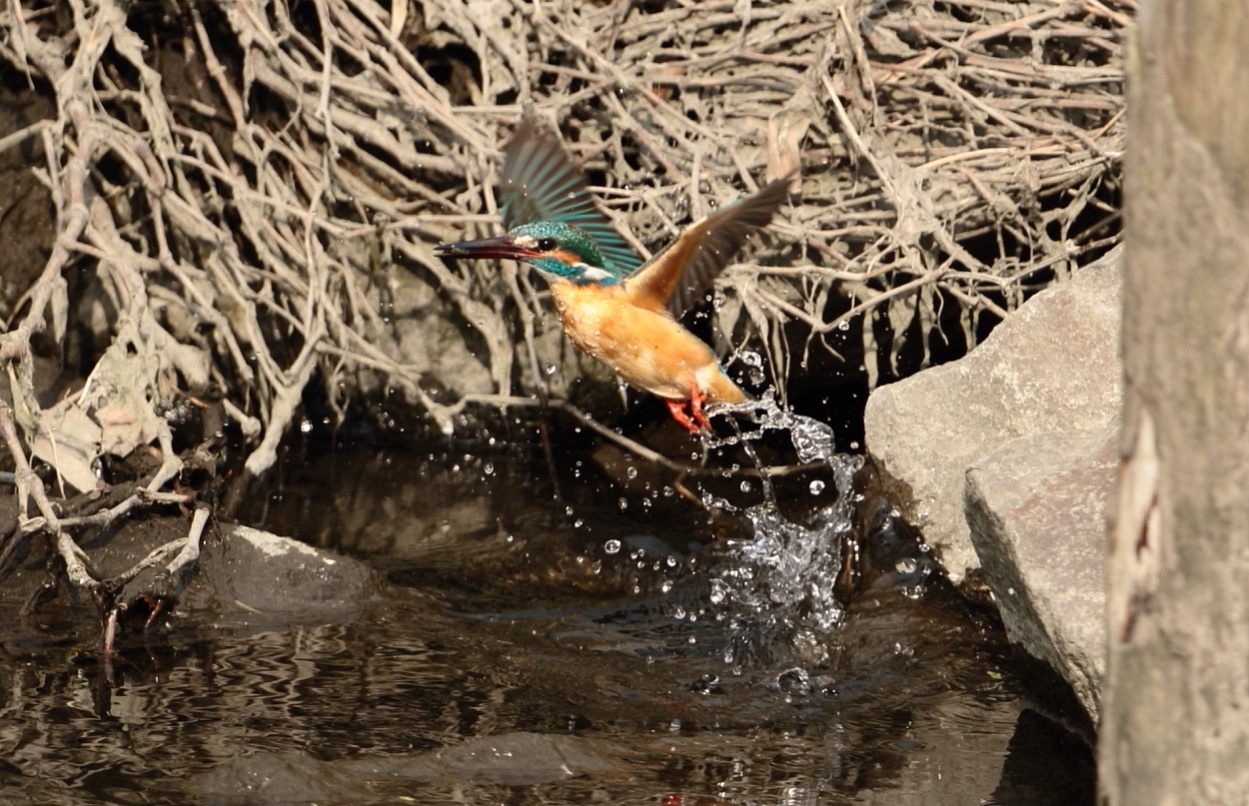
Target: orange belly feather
column 648, row 348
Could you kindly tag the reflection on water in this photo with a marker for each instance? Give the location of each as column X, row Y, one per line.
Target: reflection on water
column 705, row 663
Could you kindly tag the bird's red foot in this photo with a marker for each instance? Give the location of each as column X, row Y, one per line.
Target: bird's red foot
column 677, row 409
column 693, row 420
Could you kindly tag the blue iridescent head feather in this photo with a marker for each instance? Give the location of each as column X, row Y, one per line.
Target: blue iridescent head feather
column 542, row 185
column 564, row 251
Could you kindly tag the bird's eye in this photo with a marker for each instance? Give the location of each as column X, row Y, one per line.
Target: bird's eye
column 547, row 244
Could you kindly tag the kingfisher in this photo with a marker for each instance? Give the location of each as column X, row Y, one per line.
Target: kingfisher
column 612, row 306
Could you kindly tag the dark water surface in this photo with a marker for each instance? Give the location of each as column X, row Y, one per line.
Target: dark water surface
column 619, row 646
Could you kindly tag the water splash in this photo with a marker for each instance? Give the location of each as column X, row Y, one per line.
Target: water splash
column 779, row 587
column 813, row 440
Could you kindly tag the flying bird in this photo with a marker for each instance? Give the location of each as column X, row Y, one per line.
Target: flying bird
column 621, row 313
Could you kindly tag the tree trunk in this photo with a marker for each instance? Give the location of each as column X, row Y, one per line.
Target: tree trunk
column 1176, row 725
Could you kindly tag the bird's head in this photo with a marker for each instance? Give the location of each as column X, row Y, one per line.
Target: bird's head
column 554, row 248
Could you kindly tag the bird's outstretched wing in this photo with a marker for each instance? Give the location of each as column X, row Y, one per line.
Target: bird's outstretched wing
column 541, row 183
column 679, row 276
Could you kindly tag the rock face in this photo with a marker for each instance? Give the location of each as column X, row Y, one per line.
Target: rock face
column 1053, row 366
column 1037, row 508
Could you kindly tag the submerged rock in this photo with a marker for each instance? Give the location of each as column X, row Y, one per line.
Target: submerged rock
column 510, row 759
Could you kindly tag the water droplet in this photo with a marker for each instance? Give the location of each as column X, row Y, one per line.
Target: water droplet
column 817, row 487
column 632, row 473
column 718, row 592
column 745, row 486
column 623, row 503
column 612, row 546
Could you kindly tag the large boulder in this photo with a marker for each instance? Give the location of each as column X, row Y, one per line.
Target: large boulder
column 1053, row 366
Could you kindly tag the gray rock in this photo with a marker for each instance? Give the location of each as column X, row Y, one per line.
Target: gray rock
column 430, row 340
column 254, row 577
column 1037, row 508
column 454, row 358
column 244, row 580
column 1053, row 366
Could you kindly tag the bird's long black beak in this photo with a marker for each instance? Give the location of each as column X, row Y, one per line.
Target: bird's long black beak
column 501, row 247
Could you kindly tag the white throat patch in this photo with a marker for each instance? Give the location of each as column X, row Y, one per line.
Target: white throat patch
column 593, row 273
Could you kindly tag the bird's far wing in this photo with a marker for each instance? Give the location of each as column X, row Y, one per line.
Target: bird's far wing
column 679, row 276
column 541, row 183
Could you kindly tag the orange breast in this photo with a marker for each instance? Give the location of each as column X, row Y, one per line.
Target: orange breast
column 647, row 348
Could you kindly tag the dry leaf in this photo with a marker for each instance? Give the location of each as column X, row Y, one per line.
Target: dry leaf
column 68, row 440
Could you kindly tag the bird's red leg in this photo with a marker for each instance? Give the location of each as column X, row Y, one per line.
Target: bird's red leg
column 694, row 420
column 677, row 409
column 696, row 407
